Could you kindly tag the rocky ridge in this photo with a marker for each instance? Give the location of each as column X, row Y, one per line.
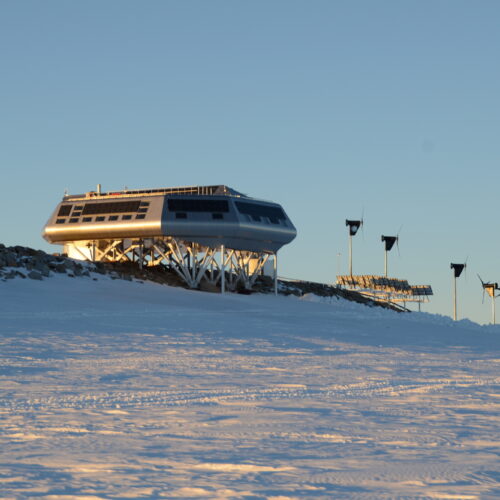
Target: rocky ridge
column 20, row 262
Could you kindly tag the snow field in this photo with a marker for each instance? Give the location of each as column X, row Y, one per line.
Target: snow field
column 115, row 389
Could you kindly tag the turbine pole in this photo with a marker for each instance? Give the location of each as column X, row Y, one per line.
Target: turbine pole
column 454, row 298
column 353, row 225
column 493, row 306
column 350, row 254
column 457, row 271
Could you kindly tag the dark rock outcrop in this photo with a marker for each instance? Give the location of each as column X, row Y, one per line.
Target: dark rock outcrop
column 22, row 262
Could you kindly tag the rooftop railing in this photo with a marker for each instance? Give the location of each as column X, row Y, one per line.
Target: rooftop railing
column 187, row 190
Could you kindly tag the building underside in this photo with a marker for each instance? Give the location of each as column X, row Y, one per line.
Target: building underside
column 194, row 263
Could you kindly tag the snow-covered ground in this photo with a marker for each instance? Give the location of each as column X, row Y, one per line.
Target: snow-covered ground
column 114, row 389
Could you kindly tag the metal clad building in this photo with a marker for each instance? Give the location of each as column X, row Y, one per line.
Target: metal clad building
column 210, row 216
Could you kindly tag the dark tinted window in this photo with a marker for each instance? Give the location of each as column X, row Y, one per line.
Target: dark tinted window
column 60, row 221
column 217, row 216
column 86, row 219
column 113, row 217
column 197, row 205
column 111, row 207
column 73, row 220
column 143, row 210
column 144, row 203
column 140, row 216
column 181, row 215
column 100, row 219
column 254, row 210
column 64, row 210
column 79, row 207
column 126, row 217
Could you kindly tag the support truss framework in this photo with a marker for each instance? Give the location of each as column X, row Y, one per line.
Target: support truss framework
column 191, row 261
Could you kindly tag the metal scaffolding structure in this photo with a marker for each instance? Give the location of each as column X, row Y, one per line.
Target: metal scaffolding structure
column 193, row 263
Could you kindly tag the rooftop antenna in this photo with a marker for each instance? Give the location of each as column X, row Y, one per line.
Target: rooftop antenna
column 457, row 271
column 354, row 226
column 491, row 288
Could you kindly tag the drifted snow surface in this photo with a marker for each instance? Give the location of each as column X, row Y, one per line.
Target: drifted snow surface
column 113, row 389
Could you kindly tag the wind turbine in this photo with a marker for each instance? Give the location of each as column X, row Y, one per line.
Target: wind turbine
column 491, row 288
column 354, row 226
column 457, row 271
column 389, row 243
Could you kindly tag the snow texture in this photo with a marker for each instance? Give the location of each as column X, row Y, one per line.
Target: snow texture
column 113, row 389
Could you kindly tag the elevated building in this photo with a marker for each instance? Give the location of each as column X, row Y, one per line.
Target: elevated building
column 202, row 232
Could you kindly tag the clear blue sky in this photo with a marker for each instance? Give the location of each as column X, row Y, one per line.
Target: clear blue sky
column 328, row 107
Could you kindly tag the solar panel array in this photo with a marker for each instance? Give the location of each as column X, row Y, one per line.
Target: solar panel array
column 380, row 285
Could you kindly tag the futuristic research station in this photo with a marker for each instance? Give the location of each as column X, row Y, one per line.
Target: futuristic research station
column 202, row 232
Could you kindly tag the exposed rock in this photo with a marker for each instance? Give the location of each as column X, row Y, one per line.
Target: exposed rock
column 39, row 264
column 59, row 268
column 10, row 260
column 206, row 286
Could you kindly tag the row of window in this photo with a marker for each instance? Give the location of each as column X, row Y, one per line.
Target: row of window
column 255, row 212
column 111, row 207
column 274, row 214
column 178, row 215
column 181, row 207
column 197, row 205
column 101, row 218
column 184, row 215
column 255, row 218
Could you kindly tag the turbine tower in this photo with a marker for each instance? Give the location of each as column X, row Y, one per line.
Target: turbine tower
column 491, row 288
column 354, row 226
column 389, row 243
column 457, row 271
